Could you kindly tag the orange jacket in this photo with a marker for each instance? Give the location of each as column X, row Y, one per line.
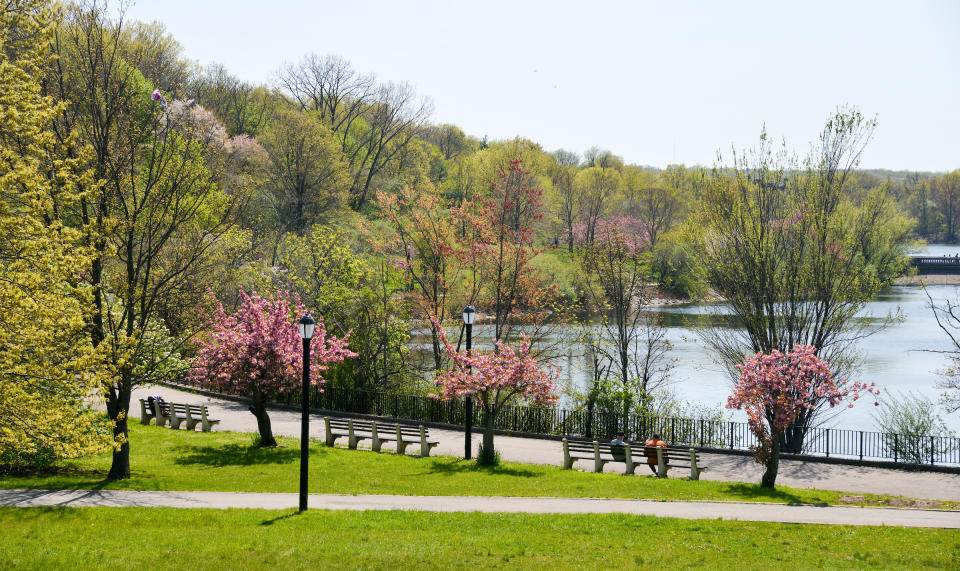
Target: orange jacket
column 657, row 443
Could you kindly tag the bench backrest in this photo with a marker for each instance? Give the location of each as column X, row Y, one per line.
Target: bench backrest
column 200, row 409
column 405, row 430
column 676, row 453
column 344, row 424
column 581, row 446
column 164, row 406
column 383, row 428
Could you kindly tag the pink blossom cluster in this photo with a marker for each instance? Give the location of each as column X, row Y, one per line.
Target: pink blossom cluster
column 198, row 122
column 497, row 375
column 791, row 220
column 258, row 349
column 631, row 231
column 775, row 388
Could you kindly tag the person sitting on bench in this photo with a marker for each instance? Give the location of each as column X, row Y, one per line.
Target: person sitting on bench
column 617, row 450
column 652, row 460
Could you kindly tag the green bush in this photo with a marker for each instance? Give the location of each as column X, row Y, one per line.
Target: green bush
column 560, row 269
column 488, row 457
column 23, row 461
column 908, row 421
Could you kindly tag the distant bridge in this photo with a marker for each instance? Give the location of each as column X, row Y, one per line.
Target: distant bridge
column 936, row 264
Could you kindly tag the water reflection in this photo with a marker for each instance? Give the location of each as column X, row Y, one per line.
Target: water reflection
column 901, row 357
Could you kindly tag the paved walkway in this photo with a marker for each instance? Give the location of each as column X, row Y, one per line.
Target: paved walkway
column 687, row 510
column 722, row 467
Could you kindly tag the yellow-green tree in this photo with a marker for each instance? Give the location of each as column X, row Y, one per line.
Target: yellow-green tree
column 160, row 215
column 47, row 369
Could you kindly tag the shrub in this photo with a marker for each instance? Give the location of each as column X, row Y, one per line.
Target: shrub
column 908, row 421
column 488, row 456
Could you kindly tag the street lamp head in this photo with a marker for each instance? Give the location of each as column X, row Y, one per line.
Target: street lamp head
column 469, row 314
column 306, row 326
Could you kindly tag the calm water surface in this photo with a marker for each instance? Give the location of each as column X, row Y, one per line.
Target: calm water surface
column 900, row 358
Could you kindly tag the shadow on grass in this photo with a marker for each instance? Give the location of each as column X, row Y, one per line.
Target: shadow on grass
column 236, row 455
column 279, row 518
column 59, row 478
column 466, row 466
column 755, row 492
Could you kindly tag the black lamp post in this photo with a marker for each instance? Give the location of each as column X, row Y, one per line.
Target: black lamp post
column 306, row 326
column 469, row 314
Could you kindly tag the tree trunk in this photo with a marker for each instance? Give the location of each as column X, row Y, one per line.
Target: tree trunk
column 118, row 407
column 792, row 439
column 773, row 464
column 259, row 410
column 488, row 433
column 120, row 467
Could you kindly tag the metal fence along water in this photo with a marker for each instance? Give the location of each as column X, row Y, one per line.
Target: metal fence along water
column 699, row 433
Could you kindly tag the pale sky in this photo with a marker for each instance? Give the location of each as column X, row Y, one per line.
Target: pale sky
column 654, row 82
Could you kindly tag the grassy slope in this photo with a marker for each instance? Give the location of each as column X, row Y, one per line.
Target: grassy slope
column 164, row 459
column 254, row 539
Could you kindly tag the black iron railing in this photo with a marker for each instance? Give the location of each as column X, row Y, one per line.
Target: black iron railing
column 700, row 433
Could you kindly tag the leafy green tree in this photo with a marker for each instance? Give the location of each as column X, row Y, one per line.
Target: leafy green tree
column 794, row 256
column 947, row 194
column 597, row 188
column 48, row 371
column 358, row 296
column 307, row 175
column 157, row 211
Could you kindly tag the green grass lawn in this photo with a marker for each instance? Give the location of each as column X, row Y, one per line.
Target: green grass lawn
column 164, row 459
column 141, row 538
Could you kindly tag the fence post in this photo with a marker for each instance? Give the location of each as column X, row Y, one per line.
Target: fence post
column 828, row 442
column 701, row 433
column 861, row 446
column 896, row 447
column 673, row 430
column 731, row 435
column 933, row 450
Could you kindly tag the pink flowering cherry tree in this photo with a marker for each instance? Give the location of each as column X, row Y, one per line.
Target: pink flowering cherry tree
column 257, row 352
column 493, row 379
column 773, row 389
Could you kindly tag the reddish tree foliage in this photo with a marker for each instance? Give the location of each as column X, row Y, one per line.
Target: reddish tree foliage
column 775, row 388
column 495, row 378
column 257, row 351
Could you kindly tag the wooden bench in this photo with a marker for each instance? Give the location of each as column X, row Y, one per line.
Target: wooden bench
column 148, row 412
column 191, row 414
column 631, row 456
column 600, row 453
column 378, row 433
column 674, row 458
column 178, row 415
column 197, row 414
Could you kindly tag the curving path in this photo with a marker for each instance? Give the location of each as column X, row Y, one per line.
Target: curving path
column 839, row 515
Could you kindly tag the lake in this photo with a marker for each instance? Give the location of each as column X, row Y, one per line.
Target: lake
column 900, row 358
